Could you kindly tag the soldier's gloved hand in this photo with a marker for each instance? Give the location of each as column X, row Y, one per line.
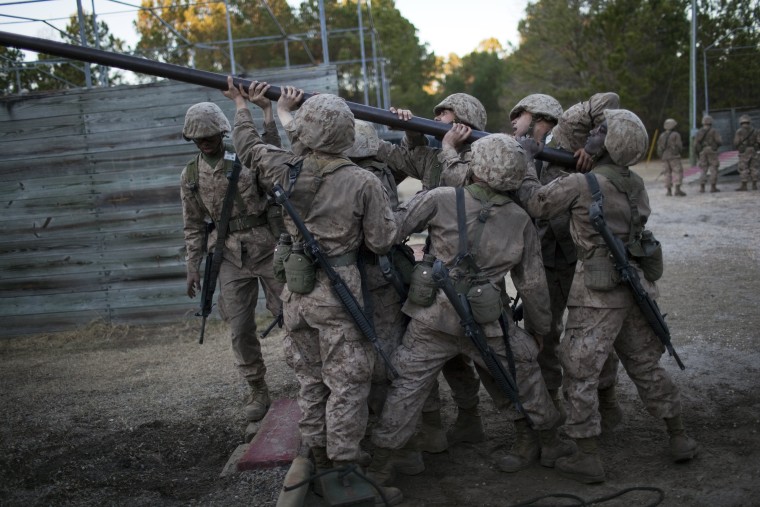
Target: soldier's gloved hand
column 193, row 283
column 530, row 145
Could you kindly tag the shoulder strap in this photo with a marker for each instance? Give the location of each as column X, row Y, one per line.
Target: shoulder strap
column 625, row 182
column 320, row 172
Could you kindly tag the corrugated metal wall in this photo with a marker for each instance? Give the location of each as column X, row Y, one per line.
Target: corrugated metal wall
column 91, row 218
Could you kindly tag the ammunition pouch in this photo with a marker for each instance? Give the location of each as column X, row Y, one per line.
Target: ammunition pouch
column 402, row 257
column 275, row 220
column 422, row 287
column 485, row 302
column 281, row 252
column 647, row 252
column 300, row 272
column 599, row 271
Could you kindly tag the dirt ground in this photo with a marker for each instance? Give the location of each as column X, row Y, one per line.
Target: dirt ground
column 133, row 416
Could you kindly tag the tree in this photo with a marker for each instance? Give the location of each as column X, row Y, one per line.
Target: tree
column 482, row 74
column 71, row 74
column 14, row 76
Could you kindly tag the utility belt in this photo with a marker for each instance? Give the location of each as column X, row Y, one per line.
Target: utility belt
column 247, row 222
column 600, row 273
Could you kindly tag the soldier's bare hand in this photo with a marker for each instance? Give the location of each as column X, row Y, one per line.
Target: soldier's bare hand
column 456, row 136
column 584, row 162
column 530, row 145
column 256, row 94
column 232, row 92
column 290, row 98
column 403, row 114
column 193, row 283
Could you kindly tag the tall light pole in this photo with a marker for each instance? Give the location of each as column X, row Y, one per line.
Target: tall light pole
column 693, row 82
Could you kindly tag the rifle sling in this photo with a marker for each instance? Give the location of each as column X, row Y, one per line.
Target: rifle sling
column 224, row 220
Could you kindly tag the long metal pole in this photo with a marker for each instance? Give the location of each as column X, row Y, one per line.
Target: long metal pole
column 323, row 30
column 363, row 54
column 83, row 38
column 219, row 82
column 103, row 70
column 229, row 38
column 693, row 82
column 704, row 62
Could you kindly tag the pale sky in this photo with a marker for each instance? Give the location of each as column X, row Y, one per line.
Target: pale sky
column 447, row 26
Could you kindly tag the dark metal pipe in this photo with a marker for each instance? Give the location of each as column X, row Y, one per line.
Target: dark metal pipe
column 219, row 82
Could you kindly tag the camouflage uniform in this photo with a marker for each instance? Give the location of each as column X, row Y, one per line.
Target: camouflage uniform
column 706, row 144
column 600, row 321
column 669, row 148
column 247, row 255
column 434, row 334
column 417, row 160
column 333, row 361
column 747, row 142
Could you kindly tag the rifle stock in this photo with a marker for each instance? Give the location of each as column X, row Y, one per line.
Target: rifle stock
column 219, row 82
column 278, row 321
column 336, row 282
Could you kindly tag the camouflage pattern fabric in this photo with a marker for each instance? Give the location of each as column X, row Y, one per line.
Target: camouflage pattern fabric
column 499, row 161
column 325, row 123
column 466, row 108
column 204, row 119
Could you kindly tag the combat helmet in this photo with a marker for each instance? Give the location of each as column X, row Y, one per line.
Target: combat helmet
column 204, row 119
column 499, row 161
column 707, row 120
column 744, row 119
column 325, row 123
column 538, row 104
column 466, row 108
column 627, row 138
column 670, row 124
column 366, row 141
column 578, row 120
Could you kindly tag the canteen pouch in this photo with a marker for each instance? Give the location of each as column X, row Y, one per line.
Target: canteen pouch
column 485, row 302
column 278, row 264
column 599, row 273
column 422, row 288
column 647, row 252
column 300, row 273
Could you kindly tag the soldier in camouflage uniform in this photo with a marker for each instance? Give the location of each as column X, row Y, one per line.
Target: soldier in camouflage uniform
column 248, row 247
column 747, row 142
column 706, row 144
column 669, row 148
column 602, row 311
column 343, row 208
column 501, row 239
column 425, row 163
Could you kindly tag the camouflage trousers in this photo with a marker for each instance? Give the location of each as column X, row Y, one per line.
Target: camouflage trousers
column 708, row 162
column 749, row 165
column 238, row 295
column 673, row 170
column 333, row 363
column 590, row 336
column 419, row 359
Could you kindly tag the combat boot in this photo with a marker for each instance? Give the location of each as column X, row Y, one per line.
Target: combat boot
column 609, row 409
column 669, row 192
column 742, row 187
column 430, row 437
column 552, row 447
column 384, row 495
column 701, row 188
column 679, row 192
column 682, row 447
column 321, row 461
column 258, row 401
column 525, row 450
column 559, row 404
column 714, row 188
column 754, row 185
column 467, row 428
column 585, row 465
column 381, row 470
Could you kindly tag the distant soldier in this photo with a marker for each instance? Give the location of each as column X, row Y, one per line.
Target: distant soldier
column 669, row 148
column 706, row 144
column 248, row 246
column 747, row 142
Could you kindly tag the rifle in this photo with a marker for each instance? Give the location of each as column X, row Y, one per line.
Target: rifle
column 278, row 320
column 207, row 289
column 473, row 331
column 628, row 274
column 336, row 282
column 219, row 82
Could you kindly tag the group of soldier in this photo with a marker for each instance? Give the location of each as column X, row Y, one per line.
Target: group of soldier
column 490, row 209
column 706, row 144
